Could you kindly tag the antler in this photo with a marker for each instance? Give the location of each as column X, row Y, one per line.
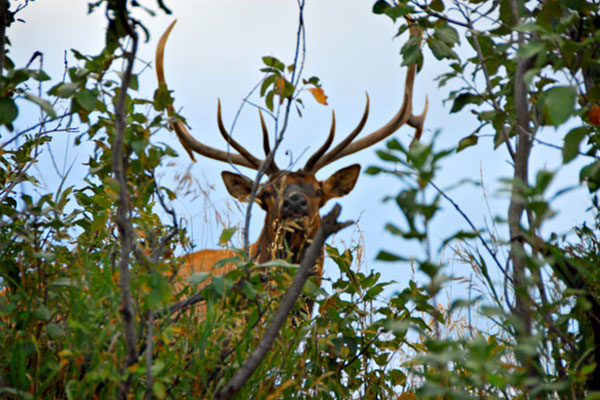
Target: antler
column 190, row 144
column 404, row 116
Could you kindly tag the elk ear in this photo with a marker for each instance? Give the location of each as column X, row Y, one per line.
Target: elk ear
column 341, row 183
column 237, row 185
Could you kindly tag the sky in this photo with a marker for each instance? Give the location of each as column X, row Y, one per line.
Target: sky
column 215, row 52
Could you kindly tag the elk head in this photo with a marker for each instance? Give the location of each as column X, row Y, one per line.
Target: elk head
column 292, row 200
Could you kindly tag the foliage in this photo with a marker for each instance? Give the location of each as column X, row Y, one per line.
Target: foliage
column 522, row 67
column 531, row 67
column 61, row 305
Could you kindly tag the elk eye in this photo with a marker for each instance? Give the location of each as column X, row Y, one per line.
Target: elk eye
column 267, row 195
column 319, row 192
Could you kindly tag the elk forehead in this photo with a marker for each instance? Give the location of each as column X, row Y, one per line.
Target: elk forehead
column 287, row 183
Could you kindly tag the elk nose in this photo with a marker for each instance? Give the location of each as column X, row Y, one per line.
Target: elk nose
column 295, row 204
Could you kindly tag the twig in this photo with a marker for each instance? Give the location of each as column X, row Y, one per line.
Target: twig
column 329, row 226
column 300, row 37
column 41, row 123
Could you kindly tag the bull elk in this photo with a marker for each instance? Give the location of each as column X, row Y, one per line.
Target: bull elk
column 291, row 200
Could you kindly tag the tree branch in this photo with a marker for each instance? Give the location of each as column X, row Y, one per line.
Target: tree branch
column 329, row 226
column 126, row 233
column 522, row 309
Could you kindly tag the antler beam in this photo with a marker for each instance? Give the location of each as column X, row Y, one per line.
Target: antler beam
column 402, row 117
column 190, row 144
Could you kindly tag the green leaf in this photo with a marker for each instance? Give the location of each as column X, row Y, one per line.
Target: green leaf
column 437, row 5
column 39, row 75
column 447, row 35
column 86, row 99
column 42, row 313
column 269, row 100
column 441, row 50
column 468, row 141
column 55, row 331
column 269, row 80
column 8, row 110
column 157, row 367
column 558, row 104
column 397, row 377
column 398, row 11
column 380, row 7
column 373, row 170
column 64, row 90
column 530, row 49
column 45, row 105
column 278, row 263
column 159, row 390
column 249, row 291
column 226, row 235
column 572, row 141
column 162, row 98
column 197, row 277
column 274, row 62
column 134, row 83
column 463, row 99
column 542, row 179
column 411, row 51
column 591, row 175
column 387, row 256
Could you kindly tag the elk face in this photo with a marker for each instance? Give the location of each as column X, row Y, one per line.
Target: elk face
column 292, row 201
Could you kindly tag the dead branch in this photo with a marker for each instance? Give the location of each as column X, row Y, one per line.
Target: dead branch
column 329, row 226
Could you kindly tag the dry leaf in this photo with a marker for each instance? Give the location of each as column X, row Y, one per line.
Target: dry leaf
column 319, row 95
column 594, row 115
column 280, row 85
column 407, row 396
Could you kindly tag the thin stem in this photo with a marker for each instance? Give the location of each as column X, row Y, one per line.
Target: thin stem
column 300, row 38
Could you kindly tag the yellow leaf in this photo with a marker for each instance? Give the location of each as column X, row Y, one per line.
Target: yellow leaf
column 319, row 95
column 280, row 85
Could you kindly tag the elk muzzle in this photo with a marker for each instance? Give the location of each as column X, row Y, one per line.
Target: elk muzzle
column 295, row 205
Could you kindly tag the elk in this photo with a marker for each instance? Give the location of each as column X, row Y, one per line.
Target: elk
column 291, row 199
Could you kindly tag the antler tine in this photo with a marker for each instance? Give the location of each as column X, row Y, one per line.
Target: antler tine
column 243, row 152
column 315, row 157
column 190, row 144
column 403, row 116
column 272, row 168
column 417, row 122
column 341, row 145
column 266, row 145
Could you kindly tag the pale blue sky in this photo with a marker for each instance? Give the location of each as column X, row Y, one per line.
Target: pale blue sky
column 215, row 51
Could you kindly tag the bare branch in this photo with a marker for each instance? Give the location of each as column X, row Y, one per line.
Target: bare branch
column 300, row 38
